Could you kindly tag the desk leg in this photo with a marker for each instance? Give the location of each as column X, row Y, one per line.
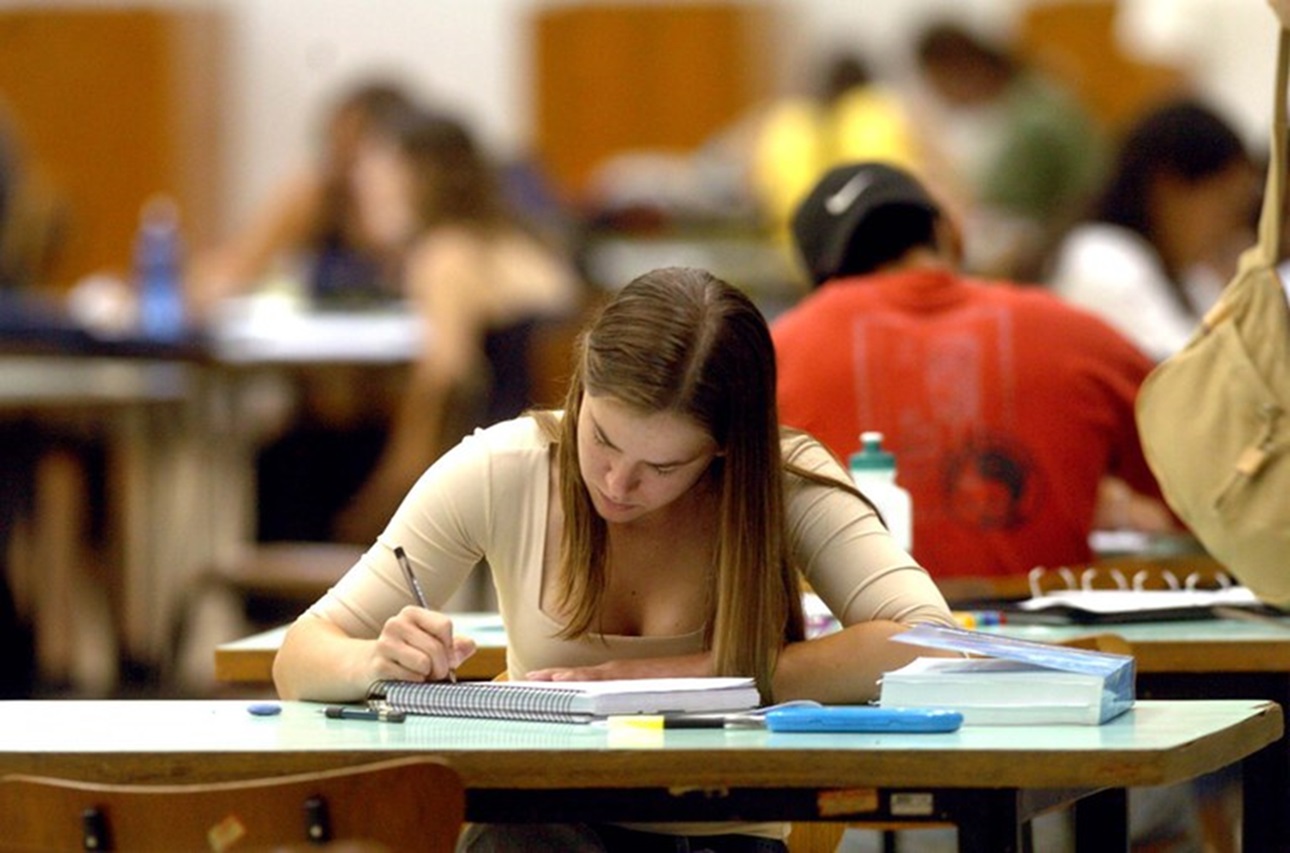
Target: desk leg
column 156, row 479
column 1265, row 775
column 1102, row 822
column 989, row 822
column 1264, row 781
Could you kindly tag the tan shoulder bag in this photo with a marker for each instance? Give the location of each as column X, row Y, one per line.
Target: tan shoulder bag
column 1215, row 417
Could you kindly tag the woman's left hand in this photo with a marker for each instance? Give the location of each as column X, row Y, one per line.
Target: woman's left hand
column 674, row 667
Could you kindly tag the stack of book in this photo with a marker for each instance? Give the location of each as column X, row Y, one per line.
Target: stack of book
column 1009, row 681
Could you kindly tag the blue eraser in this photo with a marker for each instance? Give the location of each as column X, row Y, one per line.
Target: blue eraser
column 264, row 709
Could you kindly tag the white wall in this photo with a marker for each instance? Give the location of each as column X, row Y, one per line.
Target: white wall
column 289, row 57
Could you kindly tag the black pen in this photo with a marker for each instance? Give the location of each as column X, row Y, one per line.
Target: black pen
column 418, row 594
column 656, row 722
column 378, row 715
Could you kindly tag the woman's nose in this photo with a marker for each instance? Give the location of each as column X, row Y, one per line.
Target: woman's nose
column 619, row 480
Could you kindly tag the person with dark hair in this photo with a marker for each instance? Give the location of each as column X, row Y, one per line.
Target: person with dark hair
column 426, row 192
column 660, row 525
column 319, row 448
column 1005, row 407
column 310, row 221
column 1026, row 151
column 1163, row 236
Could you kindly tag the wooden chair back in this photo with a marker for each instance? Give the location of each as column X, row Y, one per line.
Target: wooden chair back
column 402, row 804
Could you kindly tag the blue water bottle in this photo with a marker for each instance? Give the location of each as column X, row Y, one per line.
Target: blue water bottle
column 158, row 269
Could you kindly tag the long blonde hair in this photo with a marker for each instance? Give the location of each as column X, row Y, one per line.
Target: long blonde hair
column 681, row 340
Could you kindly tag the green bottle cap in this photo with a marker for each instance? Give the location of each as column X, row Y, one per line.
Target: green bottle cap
column 871, row 456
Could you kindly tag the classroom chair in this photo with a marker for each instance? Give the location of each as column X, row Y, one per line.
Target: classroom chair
column 402, row 804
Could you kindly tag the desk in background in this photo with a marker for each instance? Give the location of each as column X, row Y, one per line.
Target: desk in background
column 249, row 661
column 989, row 780
column 267, row 342
column 140, row 406
column 179, row 425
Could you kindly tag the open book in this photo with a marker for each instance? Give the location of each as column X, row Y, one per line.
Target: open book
column 1012, row 682
column 566, row 701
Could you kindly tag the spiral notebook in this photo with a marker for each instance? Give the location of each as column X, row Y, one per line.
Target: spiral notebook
column 566, row 701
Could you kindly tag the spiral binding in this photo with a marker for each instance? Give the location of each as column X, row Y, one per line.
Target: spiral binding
column 489, row 700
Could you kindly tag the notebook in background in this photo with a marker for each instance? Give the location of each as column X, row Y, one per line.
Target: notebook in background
column 1111, row 606
column 566, row 701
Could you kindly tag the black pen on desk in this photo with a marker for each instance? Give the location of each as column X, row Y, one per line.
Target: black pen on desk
column 656, row 722
column 380, row 715
column 418, row 594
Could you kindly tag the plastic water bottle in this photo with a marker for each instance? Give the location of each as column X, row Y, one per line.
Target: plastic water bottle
column 158, row 267
column 873, row 470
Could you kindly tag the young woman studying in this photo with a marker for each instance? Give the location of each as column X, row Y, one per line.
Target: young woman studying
column 659, row 526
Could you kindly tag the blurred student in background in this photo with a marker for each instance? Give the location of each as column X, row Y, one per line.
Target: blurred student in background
column 321, row 439
column 1023, row 146
column 1163, row 238
column 1005, row 407
column 851, row 116
column 425, row 191
column 309, row 223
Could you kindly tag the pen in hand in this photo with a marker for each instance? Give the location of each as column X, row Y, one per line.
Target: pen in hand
column 419, row 595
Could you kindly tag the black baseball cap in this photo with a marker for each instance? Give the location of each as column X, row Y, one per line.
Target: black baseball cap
column 832, row 216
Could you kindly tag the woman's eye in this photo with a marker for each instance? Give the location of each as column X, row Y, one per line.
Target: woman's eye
column 663, row 470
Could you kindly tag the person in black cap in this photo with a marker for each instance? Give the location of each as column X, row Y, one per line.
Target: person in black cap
column 897, row 211
column 1009, row 411
column 1005, row 407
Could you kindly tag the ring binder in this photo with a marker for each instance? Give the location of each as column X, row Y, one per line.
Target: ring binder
column 1197, row 595
column 1093, row 577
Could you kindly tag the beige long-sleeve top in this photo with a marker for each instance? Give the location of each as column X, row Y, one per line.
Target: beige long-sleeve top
column 489, row 499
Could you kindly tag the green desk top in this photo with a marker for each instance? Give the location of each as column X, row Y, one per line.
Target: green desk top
column 1203, row 646
column 1195, row 631
column 194, row 741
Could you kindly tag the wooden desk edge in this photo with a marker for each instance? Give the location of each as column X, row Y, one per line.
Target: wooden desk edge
column 255, row 666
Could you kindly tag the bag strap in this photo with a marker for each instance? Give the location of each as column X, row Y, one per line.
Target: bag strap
column 1267, row 252
column 1270, row 220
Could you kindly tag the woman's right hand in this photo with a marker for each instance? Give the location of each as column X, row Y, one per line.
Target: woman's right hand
column 418, row 645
